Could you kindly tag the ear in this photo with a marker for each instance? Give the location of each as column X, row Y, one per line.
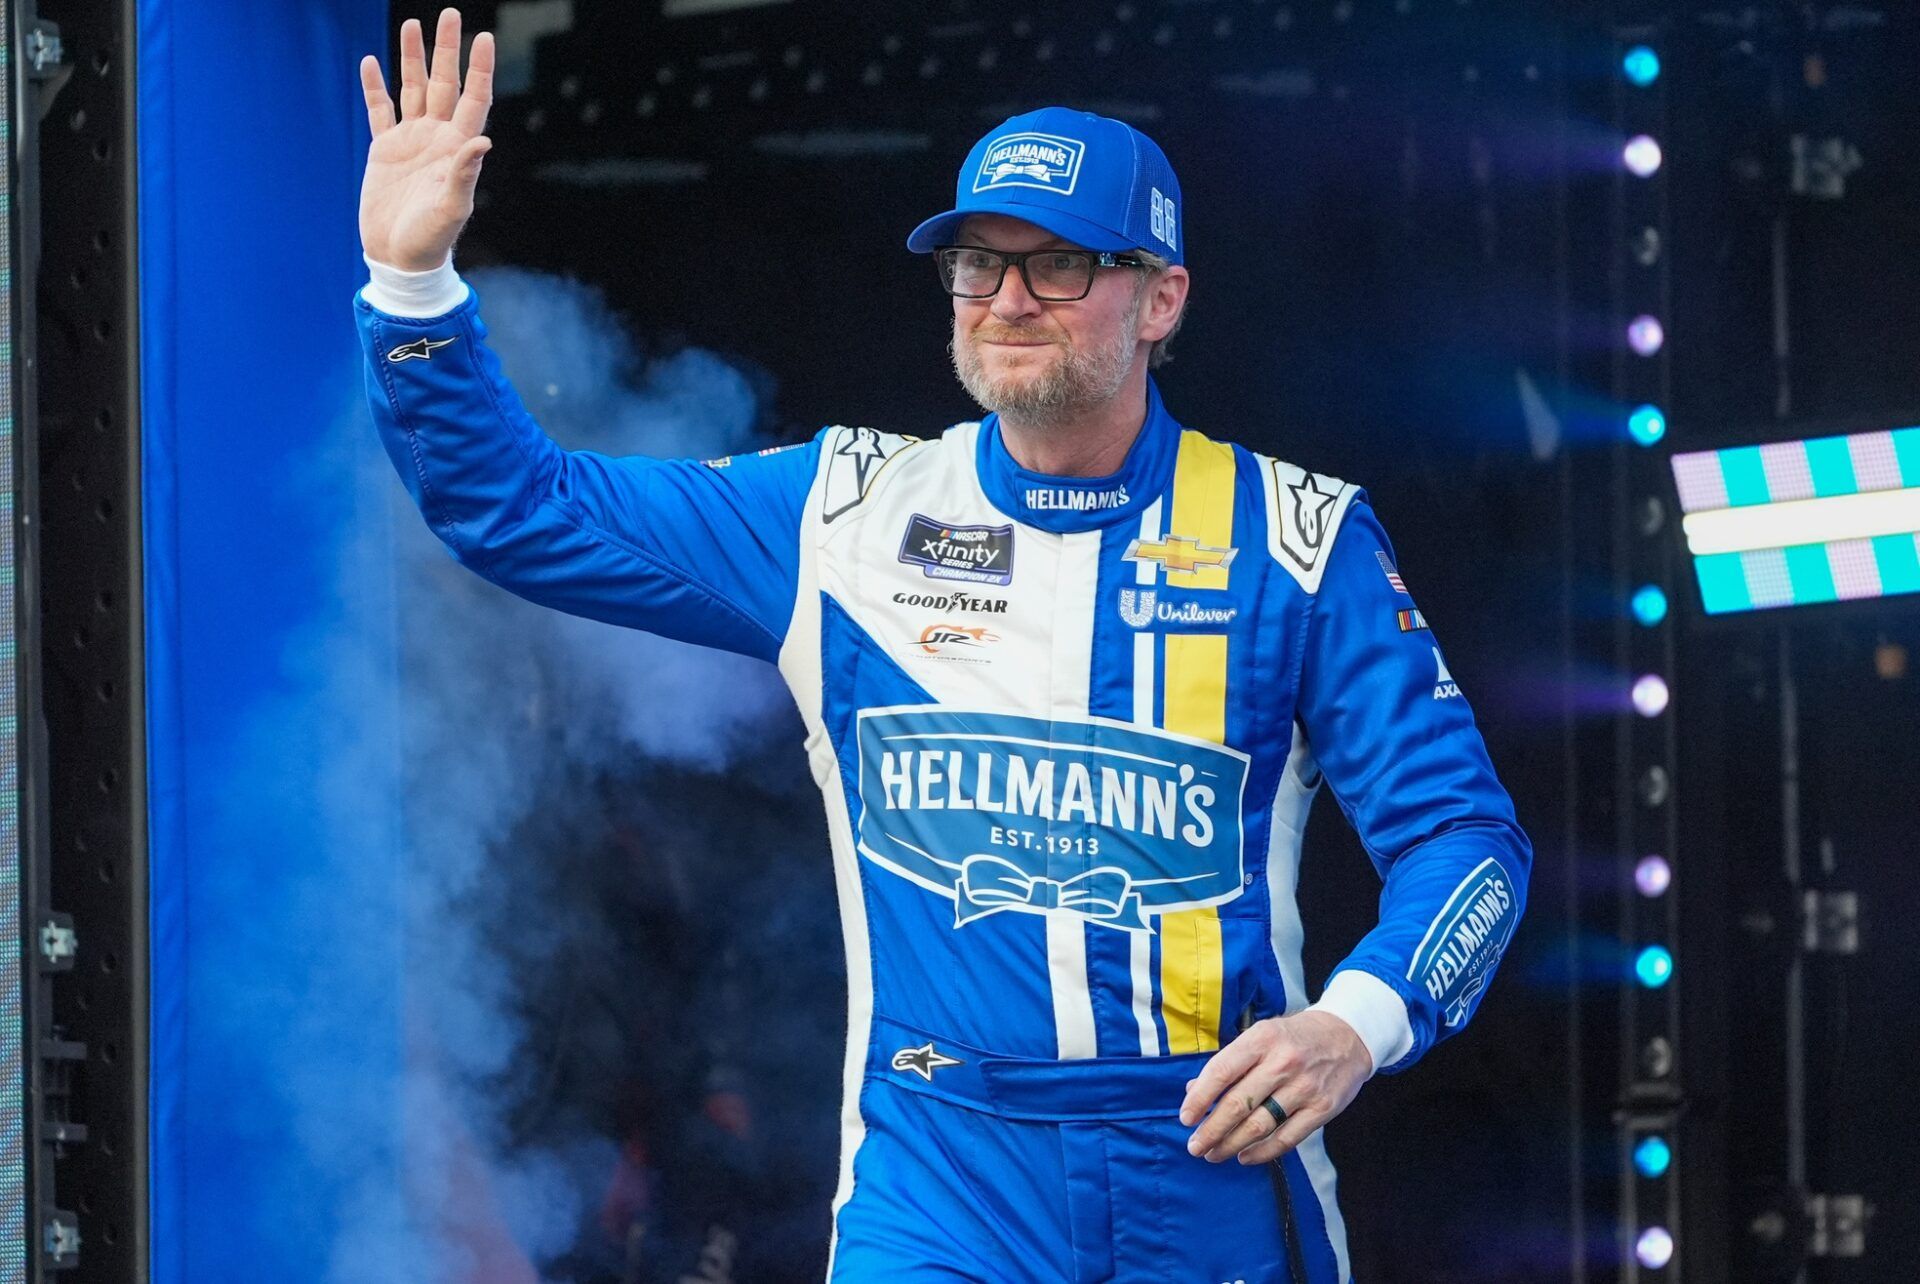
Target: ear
column 1166, row 299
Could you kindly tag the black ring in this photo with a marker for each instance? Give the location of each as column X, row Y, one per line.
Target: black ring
column 1278, row 1111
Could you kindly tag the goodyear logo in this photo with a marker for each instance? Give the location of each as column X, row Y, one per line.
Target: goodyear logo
column 1047, row 161
column 999, row 812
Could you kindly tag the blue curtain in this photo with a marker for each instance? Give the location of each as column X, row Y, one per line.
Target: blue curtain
column 274, row 839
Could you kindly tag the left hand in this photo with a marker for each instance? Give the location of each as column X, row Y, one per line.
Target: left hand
column 1311, row 1062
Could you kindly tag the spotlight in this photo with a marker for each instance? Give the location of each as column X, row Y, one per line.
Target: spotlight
column 1649, row 605
column 1653, row 1156
column 1645, row 245
column 1656, row 1059
column 1647, row 425
column 1645, row 334
column 1654, row 967
column 1654, row 1248
column 1642, row 155
column 1653, row 876
column 1650, row 695
column 1642, row 65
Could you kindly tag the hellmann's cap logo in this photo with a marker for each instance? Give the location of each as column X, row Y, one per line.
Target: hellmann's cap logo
column 1047, row 161
column 1178, row 553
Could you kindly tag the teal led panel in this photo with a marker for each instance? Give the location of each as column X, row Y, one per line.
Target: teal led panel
column 1798, row 522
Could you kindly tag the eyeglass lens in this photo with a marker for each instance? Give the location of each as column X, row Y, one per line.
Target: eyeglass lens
column 1056, row 275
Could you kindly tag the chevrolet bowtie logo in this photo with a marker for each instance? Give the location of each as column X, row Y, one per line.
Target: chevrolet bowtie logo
column 923, row 1060
column 418, row 350
column 1178, row 553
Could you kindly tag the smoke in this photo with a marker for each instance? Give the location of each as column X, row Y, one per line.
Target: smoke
column 454, row 773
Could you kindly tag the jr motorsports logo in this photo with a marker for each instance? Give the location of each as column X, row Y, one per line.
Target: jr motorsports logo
column 1047, row 161
column 983, row 554
column 953, row 641
column 1106, row 820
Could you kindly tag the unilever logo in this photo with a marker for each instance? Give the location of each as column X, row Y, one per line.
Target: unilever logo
column 1104, row 819
column 1047, row 161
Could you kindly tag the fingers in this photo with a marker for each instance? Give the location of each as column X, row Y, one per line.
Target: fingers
column 437, row 93
column 373, row 87
column 1258, row 1125
column 413, row 71
column 1225, row 1066
column 443, row 87
column 1299, row 1126
column 1311, row 1063
column 456, row 197
column 477, row 97
column 1241, row 1117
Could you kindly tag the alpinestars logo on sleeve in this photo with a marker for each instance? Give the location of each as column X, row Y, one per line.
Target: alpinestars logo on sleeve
column 421, row 349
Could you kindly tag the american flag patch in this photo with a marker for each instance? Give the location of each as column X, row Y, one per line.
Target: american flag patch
column 1393, row 576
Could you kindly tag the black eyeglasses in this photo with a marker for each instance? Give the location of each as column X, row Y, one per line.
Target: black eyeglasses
column 1053, row 276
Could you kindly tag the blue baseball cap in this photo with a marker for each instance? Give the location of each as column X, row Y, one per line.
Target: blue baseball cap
column 1096, row 181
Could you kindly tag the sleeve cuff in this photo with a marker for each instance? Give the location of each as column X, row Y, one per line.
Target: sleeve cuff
column 1376, row 1013
column 401, row 293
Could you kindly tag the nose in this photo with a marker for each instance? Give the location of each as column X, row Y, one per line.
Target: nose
column 1015, row 303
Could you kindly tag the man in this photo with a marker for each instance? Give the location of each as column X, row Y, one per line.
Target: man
column 1071, row 676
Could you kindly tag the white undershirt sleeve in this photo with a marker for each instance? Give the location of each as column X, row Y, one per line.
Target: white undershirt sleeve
column 413, row 294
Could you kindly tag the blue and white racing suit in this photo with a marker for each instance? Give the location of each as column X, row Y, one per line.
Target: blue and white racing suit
column 1067, row 731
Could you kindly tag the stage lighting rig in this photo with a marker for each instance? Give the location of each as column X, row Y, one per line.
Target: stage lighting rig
column 1650, row 1098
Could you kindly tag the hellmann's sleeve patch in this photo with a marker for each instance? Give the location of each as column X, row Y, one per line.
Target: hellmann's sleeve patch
column 853, row 459
column 1304, row 512
column 1464, row 941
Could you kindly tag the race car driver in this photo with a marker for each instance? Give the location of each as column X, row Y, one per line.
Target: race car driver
column 1071, row 676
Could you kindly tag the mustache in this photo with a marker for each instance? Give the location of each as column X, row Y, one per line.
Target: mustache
column 1010, row 336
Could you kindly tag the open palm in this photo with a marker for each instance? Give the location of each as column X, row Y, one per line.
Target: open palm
column 421, row 169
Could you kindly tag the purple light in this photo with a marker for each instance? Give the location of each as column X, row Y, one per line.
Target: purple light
column 1646, row 335
column 1642, row 155
column 1652, row 875
column 1650, row 695
column 1654, row 1247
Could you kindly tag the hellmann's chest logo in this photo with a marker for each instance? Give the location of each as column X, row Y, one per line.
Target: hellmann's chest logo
column 1000, row 812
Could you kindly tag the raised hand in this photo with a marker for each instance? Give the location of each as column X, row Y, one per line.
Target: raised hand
column 418, row 190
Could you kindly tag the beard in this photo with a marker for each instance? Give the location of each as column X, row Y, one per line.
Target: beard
column 1077, row 379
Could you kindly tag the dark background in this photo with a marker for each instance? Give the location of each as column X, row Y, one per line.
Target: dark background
column 1398, row 228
